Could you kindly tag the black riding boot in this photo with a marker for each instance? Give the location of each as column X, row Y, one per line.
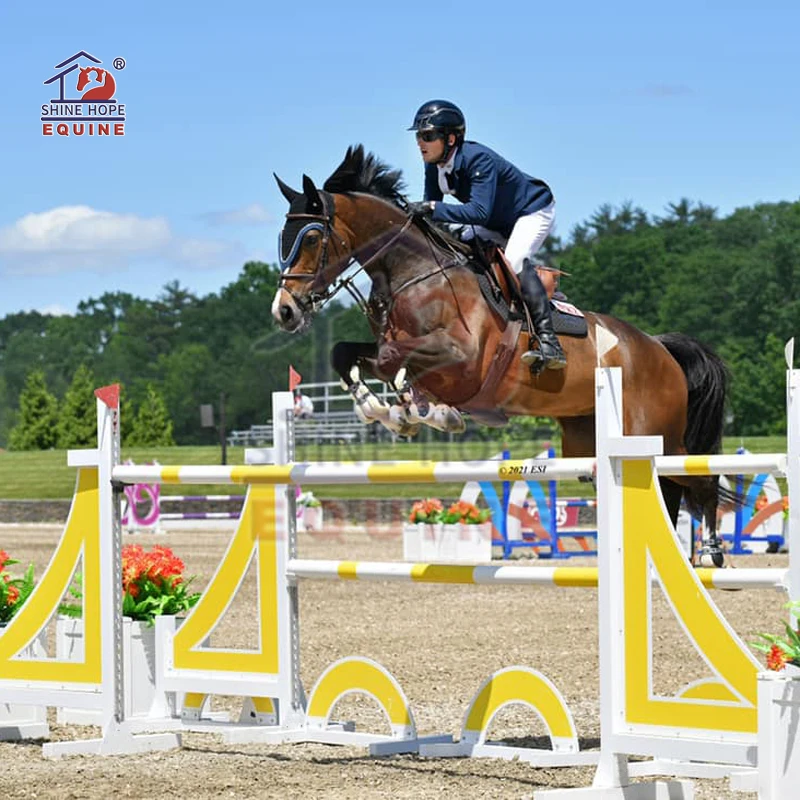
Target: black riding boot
column 549, row 355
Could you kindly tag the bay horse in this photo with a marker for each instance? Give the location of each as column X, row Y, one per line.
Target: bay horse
column 445, row 350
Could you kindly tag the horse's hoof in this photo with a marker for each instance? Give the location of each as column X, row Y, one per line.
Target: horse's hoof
column 712, row 558
column 454, row 422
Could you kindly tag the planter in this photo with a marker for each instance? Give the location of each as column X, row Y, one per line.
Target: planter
column 447, row 543
column 779, row 733
column 139, row 656
column 310, row 519
column 25, row 722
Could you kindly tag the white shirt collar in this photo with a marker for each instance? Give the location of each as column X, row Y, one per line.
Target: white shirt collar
column 444, row 170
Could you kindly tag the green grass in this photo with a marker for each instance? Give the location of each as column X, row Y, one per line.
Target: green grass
column 44, row 475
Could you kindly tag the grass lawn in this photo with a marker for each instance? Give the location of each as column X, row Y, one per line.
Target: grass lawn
column 44, row 475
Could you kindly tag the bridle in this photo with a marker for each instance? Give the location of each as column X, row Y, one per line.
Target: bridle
column 321, row 289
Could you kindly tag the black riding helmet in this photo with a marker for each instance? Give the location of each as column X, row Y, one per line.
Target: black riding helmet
column 441, row 116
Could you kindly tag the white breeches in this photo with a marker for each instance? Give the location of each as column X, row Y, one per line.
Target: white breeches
column 527, row 237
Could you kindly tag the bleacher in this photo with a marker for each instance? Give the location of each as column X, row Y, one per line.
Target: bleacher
column 334, row 421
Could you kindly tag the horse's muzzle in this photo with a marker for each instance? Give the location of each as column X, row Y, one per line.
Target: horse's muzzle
column 286, row 312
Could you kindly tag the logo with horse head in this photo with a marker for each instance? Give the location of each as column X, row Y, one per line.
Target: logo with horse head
column 95, row 111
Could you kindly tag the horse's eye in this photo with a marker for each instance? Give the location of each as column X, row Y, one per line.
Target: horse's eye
column 311, row 240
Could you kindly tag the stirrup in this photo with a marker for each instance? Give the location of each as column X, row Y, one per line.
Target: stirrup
column 536, row 359
column 532, row 358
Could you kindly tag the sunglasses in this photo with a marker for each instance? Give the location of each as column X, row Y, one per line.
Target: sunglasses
column 429, row 136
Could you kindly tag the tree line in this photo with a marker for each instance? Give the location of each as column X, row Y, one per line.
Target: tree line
column 729, row 281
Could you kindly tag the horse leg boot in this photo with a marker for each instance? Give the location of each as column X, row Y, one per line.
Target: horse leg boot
column 549, row 355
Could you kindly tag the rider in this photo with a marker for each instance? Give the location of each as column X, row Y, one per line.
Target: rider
column 500, row 202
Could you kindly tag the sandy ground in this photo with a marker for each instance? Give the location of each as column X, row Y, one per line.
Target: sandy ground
column 440, row 642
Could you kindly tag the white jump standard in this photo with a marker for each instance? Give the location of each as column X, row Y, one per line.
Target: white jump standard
column 709, row 728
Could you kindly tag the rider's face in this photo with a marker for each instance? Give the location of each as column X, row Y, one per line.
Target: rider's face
column 432, row 151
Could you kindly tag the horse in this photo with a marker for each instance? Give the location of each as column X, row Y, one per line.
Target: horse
column 107, row 84
column 445, row 350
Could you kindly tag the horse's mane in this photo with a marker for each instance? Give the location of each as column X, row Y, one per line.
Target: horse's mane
column 360, row 172
column 365, row 172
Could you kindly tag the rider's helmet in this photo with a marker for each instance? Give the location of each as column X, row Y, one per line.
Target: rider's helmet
column 442, row 117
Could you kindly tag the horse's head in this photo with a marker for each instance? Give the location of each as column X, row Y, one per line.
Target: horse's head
column 312, row 254
column 83, row 76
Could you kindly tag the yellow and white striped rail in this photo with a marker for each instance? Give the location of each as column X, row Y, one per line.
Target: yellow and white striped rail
column 408, row 572
column 746, row 464
column 387, row 472
column 362, row 472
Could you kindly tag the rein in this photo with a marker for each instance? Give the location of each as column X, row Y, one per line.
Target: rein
column 321, row 293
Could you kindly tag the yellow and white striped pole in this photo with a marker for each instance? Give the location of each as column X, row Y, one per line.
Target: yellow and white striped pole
column 510, row 575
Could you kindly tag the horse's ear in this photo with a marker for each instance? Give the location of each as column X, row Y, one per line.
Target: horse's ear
column 287, row 191
column 312, row 193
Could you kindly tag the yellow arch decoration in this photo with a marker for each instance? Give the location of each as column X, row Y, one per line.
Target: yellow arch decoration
column 519, row 685
column 648, row 538
column 81, row 537
column 359, row 675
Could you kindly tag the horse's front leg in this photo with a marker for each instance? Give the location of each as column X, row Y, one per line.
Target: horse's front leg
column 436, row 351
column 349, row 359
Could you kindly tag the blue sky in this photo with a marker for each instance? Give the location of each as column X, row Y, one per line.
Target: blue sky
column 607, row 102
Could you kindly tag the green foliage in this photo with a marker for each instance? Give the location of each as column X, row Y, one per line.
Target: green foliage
column 77, row 426
column 732, row 283
column 782, row 649
column 13, row 591
column 37, row 428
column 153, row 426
column 171, row 596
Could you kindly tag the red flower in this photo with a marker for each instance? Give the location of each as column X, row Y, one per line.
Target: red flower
column 776, row 658
column 13, row 595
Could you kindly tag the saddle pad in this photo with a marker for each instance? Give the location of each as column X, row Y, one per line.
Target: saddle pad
column 568, row 320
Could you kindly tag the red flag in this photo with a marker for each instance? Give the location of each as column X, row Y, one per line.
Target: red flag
column 295, row 378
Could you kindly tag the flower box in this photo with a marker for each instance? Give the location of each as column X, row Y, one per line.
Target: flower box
column 310, row 519
column 779, row 732
column 139, row 659
column 444, row 543
column 25, row 722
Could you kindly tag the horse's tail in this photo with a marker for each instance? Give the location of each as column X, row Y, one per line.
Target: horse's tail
column 707, row 379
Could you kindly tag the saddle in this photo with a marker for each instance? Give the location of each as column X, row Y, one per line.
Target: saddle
column 500, row 288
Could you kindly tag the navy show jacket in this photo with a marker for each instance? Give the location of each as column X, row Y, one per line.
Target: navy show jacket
column 493, row 192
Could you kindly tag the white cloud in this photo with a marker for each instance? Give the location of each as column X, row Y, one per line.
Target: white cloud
column 82, row 229
column 253, row 214
column 75, row 238
column 204, row 252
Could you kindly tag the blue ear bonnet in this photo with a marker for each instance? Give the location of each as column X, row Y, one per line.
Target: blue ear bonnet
column 290, row 238
column 293, row 241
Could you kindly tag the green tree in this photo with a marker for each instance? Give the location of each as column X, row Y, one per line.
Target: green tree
column 77, row 425
column 153, row 426
column 37, row 428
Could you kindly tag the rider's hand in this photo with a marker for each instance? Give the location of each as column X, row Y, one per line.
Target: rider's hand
column 420, row 209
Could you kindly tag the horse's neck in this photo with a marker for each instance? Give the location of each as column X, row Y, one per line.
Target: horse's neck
column 383, row 248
